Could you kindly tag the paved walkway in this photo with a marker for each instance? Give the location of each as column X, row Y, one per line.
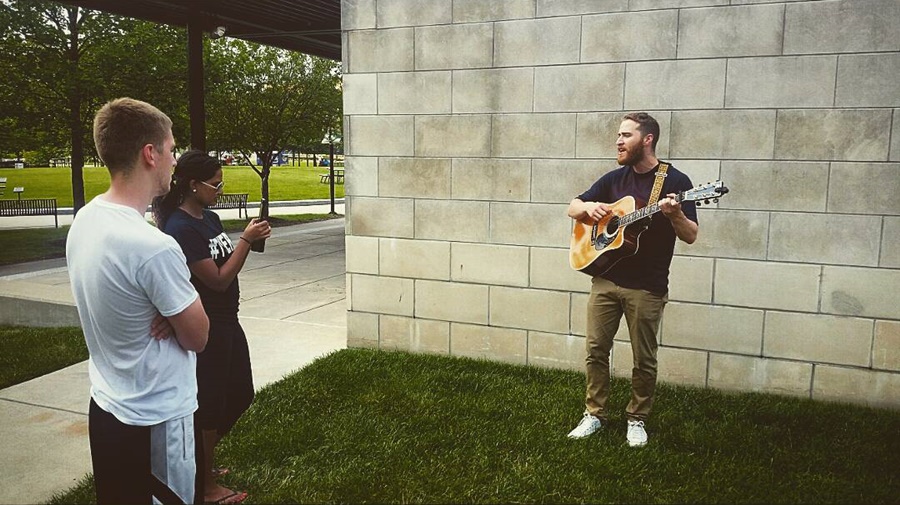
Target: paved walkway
column 293, row 310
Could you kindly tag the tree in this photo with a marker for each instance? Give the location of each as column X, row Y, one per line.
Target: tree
column 63, row 62
column 266, row 99
column 49, row 41
column 22, row 129
column 147, row 62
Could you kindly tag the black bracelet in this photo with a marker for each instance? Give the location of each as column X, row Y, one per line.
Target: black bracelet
column 245, row 240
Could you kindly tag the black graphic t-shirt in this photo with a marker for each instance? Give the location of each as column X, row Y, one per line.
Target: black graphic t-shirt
column 648, row 268
column 201, row 239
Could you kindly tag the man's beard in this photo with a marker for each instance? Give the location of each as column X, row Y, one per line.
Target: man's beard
column 630, row 157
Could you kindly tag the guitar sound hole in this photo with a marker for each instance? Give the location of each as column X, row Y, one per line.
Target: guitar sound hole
column 612, row 226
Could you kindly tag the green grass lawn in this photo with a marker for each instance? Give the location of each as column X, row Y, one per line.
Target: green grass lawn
column 32, row 244
column 26, row 353
column 285, row 183
column 362, row 426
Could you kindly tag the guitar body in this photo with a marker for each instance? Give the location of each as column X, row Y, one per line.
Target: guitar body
column 594, row 249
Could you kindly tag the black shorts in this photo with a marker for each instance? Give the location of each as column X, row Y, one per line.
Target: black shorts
column 134, row 463
column 224, row 376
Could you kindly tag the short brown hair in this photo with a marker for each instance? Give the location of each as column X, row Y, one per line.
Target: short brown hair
column 646, row 125
column 122, row 127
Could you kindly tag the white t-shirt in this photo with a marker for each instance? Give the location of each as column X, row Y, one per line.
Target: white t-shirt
column 123, row 271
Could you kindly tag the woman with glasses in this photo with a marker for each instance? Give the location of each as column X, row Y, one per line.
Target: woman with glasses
column 224, row 379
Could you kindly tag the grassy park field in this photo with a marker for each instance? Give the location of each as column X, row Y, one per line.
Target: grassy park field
column 285, row 183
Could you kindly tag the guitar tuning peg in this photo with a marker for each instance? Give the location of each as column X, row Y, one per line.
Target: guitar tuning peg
column 715, row 200
column 698, row 204
column 706, row 201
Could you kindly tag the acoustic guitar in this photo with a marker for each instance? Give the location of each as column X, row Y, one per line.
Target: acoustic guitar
column 596, row 248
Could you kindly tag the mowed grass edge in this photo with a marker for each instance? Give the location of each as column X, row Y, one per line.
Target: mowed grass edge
column 364, row 426
column 26, row 353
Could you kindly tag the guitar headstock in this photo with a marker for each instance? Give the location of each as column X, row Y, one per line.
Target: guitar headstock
column 707, row 193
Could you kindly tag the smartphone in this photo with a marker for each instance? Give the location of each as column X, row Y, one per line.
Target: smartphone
column 260, row 244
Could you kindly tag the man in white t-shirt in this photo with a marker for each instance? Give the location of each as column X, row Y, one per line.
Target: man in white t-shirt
column 128, row 277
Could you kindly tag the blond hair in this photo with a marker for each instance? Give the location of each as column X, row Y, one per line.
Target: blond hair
column 122, row 127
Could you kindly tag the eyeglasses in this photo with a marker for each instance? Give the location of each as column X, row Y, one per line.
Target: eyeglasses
column 217, row 187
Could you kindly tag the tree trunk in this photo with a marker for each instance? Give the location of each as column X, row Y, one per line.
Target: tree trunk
column 75, row 123
column 264, row 188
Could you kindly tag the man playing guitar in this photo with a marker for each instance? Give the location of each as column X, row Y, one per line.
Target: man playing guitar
column 635, row 286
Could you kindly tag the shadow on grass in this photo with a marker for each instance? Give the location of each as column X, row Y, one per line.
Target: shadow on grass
column 388, row 427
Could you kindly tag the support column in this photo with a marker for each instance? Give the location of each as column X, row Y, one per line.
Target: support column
column 197, row 106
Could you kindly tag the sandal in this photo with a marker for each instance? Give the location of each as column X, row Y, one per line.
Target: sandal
column 231, row 499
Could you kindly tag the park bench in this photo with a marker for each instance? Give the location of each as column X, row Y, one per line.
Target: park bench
column 338, row 176
column 232, row 201
column 2, row 185
column 30, row 207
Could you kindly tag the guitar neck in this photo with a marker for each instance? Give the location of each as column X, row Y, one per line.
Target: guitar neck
column 645, row 212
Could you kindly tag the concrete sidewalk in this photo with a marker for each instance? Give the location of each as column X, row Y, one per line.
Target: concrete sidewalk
column 293, row 310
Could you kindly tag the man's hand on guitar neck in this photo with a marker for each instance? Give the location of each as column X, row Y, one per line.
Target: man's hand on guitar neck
column 588, row 212
column 685, row 229
column 670, row 207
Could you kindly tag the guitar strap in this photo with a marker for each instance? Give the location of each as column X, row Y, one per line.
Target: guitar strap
column 658, row 183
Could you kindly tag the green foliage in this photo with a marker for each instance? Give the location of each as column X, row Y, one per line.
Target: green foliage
column 64, row 62
column 363, row 426
column 36, row 158
column 61, row 63
column 26, row 353
column 25, row 99
column 147, row 62
column 295, row 98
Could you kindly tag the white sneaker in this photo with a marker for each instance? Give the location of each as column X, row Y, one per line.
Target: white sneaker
column 637, row 435
column 588, row 425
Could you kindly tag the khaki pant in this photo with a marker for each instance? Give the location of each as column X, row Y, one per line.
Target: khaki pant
column 642, row 311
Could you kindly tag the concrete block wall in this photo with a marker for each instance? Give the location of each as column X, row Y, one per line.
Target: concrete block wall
column 470, row 125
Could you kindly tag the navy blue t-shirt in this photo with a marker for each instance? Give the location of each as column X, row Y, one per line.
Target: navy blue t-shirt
column 201, row 239
column 648, row 268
